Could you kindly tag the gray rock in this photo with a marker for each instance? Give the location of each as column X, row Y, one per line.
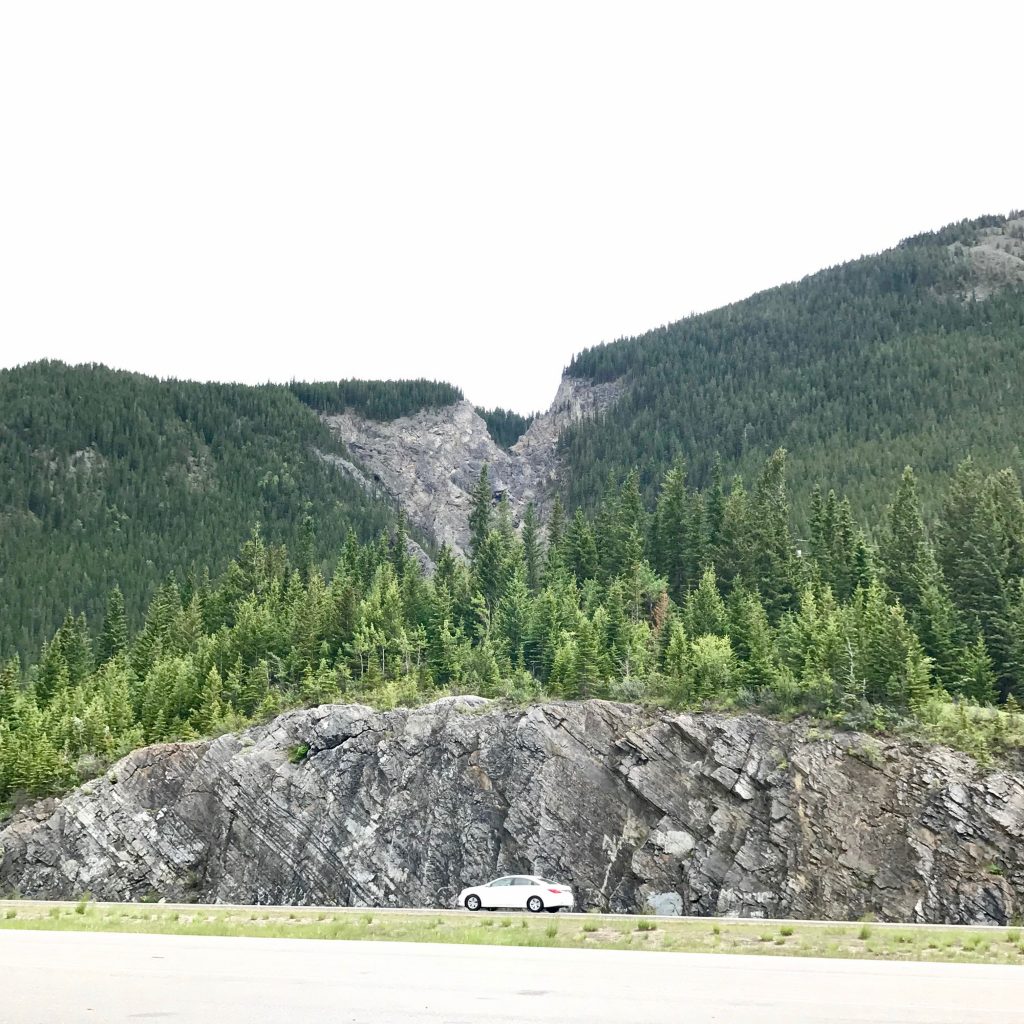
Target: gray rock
column 429, row 463
column 693, row 814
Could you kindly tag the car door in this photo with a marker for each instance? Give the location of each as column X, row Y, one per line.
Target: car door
column 496, row 893
column 522, row 889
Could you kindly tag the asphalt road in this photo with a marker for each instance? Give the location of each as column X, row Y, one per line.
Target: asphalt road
column 83, row 978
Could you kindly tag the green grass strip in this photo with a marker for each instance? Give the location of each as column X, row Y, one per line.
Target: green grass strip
column 710, row 935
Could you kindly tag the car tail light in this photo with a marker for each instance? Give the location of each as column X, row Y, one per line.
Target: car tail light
column 557, row 892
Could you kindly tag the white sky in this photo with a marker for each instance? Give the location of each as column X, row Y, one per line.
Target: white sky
column 473, row 192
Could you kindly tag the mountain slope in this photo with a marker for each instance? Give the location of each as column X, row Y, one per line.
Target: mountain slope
column 912, row 356
column 112, row 477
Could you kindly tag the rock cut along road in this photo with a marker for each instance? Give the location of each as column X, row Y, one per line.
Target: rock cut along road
column 83, row 978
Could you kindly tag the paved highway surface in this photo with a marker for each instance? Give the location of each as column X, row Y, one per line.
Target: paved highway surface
column 83, row 978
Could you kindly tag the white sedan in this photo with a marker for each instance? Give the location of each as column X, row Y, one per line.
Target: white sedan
column 518, row 892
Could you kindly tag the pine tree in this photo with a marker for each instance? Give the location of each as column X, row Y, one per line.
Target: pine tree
column 512, row 619
column 704, row 611
column 977, row 678
column 751, row 636
column 480, row 512
column 10, row 675
column 773, row 552
column 586, row 677
column 532, row 554
column 974, row 558
column 733, row 546
column 581, row 548
column 114, row 637
column 676, row 546
column 305, row 558
column 556, row 534
column 907, row 561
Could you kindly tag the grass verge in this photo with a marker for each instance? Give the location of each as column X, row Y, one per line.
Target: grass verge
column 713, row 935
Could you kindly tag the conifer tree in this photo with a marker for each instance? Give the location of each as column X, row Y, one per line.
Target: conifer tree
column 532, row 553
column 704, row 611
column 773, row 553
column 114, row 637
column 974, row 557
column 581, row 548
column 306, row 554
column 10, row 673
column 480, row 511
column 556, row 535
column 676, row 545
column 908, row 565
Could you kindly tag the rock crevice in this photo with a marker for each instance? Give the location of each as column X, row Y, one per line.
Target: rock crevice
column 429, row 463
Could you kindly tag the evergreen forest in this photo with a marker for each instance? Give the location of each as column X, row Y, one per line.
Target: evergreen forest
column 504, row 425
column 117, row 478
column 909, row 357
column 112, row 477
column 699, row 599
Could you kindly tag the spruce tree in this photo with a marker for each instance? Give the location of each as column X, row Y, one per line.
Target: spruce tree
column 676, row 547
column 704, row 611
column 974, row 557
column 581, row 554
column 773, row 553
column 114, row 637
column 906, row 557
column 10, row 674
column 480, row 512
column 532, row 554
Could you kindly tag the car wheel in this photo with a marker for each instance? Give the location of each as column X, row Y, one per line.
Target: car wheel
column 473, row 902
column 534, row 904
column 552, row 910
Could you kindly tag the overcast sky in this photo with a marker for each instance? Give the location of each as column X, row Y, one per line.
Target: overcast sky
column 473, row 192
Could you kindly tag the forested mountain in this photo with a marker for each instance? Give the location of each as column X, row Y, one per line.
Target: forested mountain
column 911, row 357
column 683, row 575
column 111, row 477
column 702, row 601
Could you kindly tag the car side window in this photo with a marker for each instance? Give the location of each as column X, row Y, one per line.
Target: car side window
column 523, row 881
column 500, row 881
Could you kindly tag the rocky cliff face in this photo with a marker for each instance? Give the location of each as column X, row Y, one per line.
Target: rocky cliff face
column 429, row 463
column 996, row 258
column 701, row 814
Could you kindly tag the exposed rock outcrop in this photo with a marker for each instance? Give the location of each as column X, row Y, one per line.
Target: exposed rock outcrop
column 996, row 258
column 702, row 814
column 429, row 463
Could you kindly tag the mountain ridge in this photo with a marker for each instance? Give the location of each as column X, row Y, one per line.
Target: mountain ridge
column 911, row 356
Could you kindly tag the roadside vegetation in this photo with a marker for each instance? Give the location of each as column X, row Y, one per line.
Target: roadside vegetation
column 710, row 935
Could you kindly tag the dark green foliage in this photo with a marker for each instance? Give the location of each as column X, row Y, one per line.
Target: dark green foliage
column 859, row 637
column 117, row 479
column 504, row 425
column 886, row 361
column 480, row 510
column 377, row 399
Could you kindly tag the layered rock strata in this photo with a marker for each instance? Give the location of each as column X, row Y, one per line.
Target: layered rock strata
column 693, row 814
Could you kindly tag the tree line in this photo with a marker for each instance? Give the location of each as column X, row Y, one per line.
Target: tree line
column 119, row 478
column 908, row 357
column 702, row 598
